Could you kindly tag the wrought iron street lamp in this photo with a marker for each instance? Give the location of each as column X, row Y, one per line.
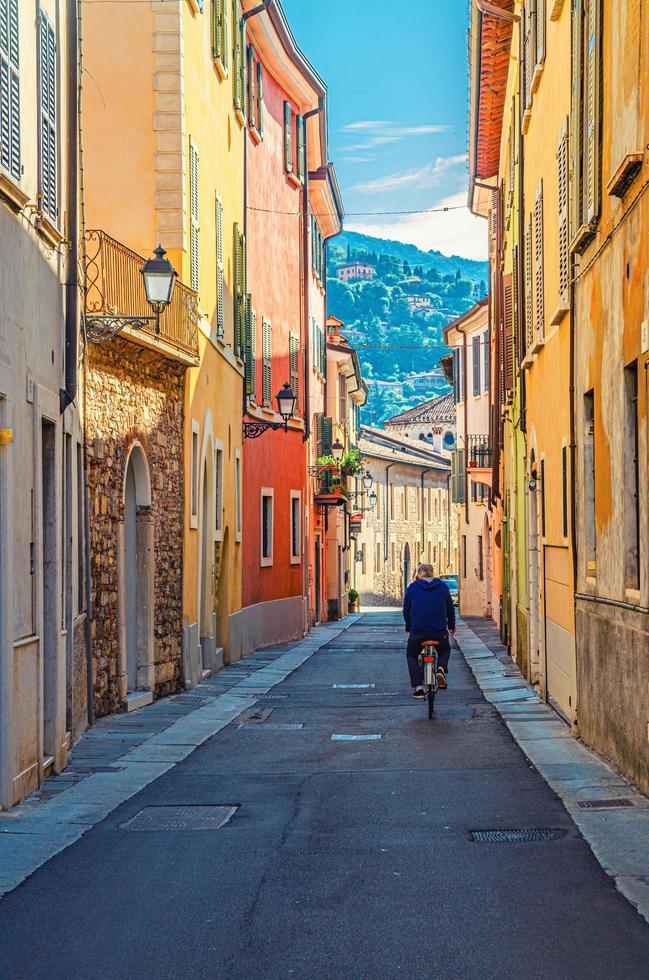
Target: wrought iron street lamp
column 373, row 499
column 367, row 480
column 159, row 280
column 337, row 450
column 286, row 400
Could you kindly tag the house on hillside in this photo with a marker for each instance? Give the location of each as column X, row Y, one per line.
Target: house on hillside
column 432, row 422
column 356, row 271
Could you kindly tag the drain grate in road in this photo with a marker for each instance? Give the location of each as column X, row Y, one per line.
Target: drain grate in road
column 516, row 836
column 188, row 699
column 352, row 687
column 271, row 726
column 355, row 738
column 191, row 817
column 604, row 804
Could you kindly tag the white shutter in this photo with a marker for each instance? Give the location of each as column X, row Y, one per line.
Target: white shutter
column 267, row 355
column 220, row 314
column 593, row 113
column 10, row 88
column 538, row 258
column 563, row 204
column 47, row 121
column 193, row 216
column 541, row 14
column 529, row 287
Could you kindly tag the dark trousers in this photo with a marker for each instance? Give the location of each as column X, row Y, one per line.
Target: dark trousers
column 413, row 650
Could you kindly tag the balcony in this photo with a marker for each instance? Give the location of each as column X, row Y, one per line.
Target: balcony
column 114, row 287
column 329, row 489
column 479, row 459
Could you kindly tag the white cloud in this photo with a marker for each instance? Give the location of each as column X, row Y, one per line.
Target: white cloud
column 426, row 176
column 367, row 124
column 451, row 232
column 353, row 159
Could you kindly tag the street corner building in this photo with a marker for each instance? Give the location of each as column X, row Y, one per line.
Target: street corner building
column 558, row 166
column 43, row 654
column 413, row 519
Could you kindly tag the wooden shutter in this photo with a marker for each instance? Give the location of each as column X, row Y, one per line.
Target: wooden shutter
column 508, row 332
column 250, row 348
column 294, row 364
column 541, row 14
column 220, row 313
column 238, row 287
column 288, row 138
column 299, row 132
column 529, row 288
column 593, row 109
column 267, row 364
column 486, row 363
column 47, row 117
column 252, row 99
column 223, row 12
column 327, row 436
column 539, row 273
column 10, row 88
column 193, row 216
column 260, row 99
column 564, row 243
column 476, row 365
column 318, row 436
column 237, row 54
column 519, row 327
column 243, row 63
column 577, row 117
column 216, row 33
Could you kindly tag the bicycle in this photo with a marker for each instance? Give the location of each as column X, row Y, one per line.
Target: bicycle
column 428, row 660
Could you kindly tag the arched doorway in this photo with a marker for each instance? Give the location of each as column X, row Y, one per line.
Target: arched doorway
column 207, row 524
column 137, row 574
column 407, row 568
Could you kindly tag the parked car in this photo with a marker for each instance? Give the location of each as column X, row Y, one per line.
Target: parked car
column 453, row 587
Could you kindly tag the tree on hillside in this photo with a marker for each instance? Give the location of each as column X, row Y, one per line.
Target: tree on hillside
column 406, row 268
column 340, row 299
column 349, row 252
column 460, row 289
column 374, row 298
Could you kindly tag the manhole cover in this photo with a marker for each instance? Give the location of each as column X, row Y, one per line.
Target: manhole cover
column 603, row 804
column 152, row 818
column 188, row 699
column 516, row 836
column 271, row 726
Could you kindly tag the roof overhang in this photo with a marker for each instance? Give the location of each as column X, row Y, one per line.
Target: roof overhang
column 474, row 313
column 273, row 39
column 326, row 200
column 492, row 23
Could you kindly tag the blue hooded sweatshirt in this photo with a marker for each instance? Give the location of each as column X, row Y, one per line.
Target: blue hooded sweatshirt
column 428, row 609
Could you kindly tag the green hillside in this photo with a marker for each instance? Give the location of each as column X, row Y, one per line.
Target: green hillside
column 396, row 319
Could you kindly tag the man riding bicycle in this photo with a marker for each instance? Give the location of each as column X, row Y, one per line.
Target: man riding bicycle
column 430, row 615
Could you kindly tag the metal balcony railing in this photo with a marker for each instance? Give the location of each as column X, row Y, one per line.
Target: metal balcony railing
column 114, row 285
column 479, row 452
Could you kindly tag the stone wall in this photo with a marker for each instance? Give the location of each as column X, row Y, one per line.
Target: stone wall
column 135, row 395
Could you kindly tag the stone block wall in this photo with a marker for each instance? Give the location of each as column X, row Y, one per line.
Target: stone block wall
column 135, row 395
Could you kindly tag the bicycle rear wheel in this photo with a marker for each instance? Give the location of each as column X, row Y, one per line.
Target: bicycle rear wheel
column 431, row 700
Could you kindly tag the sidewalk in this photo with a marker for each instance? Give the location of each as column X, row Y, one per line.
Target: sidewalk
column 122, row 754
column 610, row 813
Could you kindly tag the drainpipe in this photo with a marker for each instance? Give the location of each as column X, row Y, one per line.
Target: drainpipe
column 448, row 520
column 573, row 440
column 307, row 265
column 68, row 394
column 466, row 422
column 428, row 469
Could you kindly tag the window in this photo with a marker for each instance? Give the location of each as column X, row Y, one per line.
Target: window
column 267, row 364
column 260, row 99
column 239, row 59
column 529, row 286
column 393, row 557
column 240, row 277
column 219, row 34
column 533, row 47
column 363, row 563
column 194, row 476
column 218, row 490
column 377, row 509
column 486, row 367
column 392, row 501
column 480, row 559
column 476, row 365
column 299, row 133
column 266, row 543
column 47, row 122
column 294, row 364
column 251, row 95
column 250, row 349
column 631, row 479
column 66, row 528
column 589, row 483
column 378, row 562
column 563, row 209
column 237, row 495
column 543, row 497
column 405, row 503
column 539, row 248
column 194, row 216
column 458, row 375
column 296, row 526
column 288, row 138
column 10, row 88
column 220, row 314
column 586, row 119
column 342, row 399
column 564, row 489
column 463, row 555
column 81, row 564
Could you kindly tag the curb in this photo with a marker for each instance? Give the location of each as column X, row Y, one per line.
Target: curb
column 618, row 837
column 34, row 832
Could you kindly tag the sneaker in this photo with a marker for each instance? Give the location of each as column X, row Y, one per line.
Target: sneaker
column 418, row 693
column 441, row 678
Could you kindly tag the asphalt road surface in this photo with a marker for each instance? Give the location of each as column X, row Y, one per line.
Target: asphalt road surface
column 344, row 859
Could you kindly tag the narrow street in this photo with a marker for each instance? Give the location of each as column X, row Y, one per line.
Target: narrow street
column 344, row 859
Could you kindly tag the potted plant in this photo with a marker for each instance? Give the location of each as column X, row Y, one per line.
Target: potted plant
column 354, row 603
column 328, row 470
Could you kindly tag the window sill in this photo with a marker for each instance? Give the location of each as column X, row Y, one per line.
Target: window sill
column 583, row 238
column 526, row 120
column 625, row 175
column 536, row 77
column 265, row 562
column 240, row 117
column 195, row 7
column 555, row 11
column 255, row 135
column 539, row 344
column 527, row 362
column 193, row 522
column 559, row 314
column 11, row 193
column 632, row 596
column 220, row 68
column 218, row 534
column 47, row 230
column 293, row 179
column 237, row 537
column 295, row 560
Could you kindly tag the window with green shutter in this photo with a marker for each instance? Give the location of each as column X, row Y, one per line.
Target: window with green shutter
column 260, row 99
column 243, row 64
column 10, row 88
column 220, row 313
column 294, row 364
column 237, row 56
column 327, row 435
column 239, row 289
column 250, row 348
column 299, row 133
column 48, row 177
column 252, row 101
column 267, row 364
column 194, row 216
column 288, row 138
column 563, row 208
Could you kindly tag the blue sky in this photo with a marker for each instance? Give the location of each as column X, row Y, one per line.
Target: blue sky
column 397, row 79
